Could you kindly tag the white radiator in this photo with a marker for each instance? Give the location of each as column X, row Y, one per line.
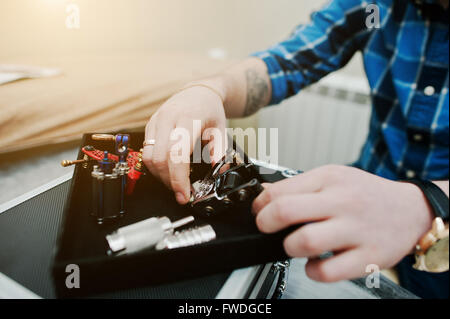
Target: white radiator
column 326, row 123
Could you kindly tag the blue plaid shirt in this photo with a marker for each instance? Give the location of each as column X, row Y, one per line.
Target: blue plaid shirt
column 406, row 62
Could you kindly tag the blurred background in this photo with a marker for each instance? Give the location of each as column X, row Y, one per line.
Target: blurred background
column 236, row 26
column 326, row 123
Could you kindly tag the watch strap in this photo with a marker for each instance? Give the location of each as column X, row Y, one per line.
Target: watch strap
column 437, row 199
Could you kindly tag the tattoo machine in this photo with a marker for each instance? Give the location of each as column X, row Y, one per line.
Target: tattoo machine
column 220, row 191
column 113, row 176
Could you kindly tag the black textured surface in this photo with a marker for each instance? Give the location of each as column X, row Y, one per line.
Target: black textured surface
column 390, row 289
column 27, row 239
column 28, row 234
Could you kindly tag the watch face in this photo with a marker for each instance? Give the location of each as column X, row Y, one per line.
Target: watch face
column 436, row 258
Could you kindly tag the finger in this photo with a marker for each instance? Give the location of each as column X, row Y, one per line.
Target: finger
column 317, row 238
column 214, row 160
column 217, row 142
column 348, row 264
column 309, row 182
column 161, row 148
column 179, row 161
column 147, row 152
column 291, row 210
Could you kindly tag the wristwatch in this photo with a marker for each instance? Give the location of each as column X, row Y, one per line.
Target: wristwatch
column 431, row 251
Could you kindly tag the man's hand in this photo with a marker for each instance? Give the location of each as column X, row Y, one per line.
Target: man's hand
column 239, row 91
column 364, row 219
column 197, row 103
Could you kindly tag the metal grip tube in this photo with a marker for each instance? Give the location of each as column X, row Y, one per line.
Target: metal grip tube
column 144, row 234
column 188, row 237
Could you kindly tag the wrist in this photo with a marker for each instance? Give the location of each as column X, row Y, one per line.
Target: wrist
column 215, row 85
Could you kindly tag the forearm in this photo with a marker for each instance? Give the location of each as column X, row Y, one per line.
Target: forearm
column 244, row 87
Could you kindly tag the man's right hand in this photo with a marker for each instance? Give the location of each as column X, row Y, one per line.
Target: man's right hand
column 195, row 103
column 244, row 88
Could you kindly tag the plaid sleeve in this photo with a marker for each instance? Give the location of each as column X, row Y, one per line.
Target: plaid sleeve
column 315, row 49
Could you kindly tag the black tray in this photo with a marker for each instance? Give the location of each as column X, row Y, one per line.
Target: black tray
column 82, row 242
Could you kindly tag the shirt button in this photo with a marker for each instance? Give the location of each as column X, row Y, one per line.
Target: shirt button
column 418, row 137
column 429, row 90
column 410, row 174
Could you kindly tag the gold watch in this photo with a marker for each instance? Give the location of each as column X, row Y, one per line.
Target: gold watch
column 432, row 249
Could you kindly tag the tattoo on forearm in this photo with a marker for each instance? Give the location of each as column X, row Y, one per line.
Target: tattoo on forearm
column 257, row 90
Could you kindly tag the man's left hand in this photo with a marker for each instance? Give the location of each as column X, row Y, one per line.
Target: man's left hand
column 360, row 217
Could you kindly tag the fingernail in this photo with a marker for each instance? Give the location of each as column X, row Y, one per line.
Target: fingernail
column 180, row 197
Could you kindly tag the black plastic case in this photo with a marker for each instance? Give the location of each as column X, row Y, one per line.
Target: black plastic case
column 82, row 242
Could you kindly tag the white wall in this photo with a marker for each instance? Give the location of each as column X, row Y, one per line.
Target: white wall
column 37, row 27
column 241, row 26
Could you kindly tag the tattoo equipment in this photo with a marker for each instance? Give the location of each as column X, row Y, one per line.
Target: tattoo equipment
column 219, row 191
column 113, row 176
column 142, row 235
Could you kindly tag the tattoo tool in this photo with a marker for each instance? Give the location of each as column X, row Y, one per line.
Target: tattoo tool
column 188, row 237
column 144, row 234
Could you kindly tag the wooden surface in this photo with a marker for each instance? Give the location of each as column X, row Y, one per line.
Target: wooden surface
column 94, row 93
